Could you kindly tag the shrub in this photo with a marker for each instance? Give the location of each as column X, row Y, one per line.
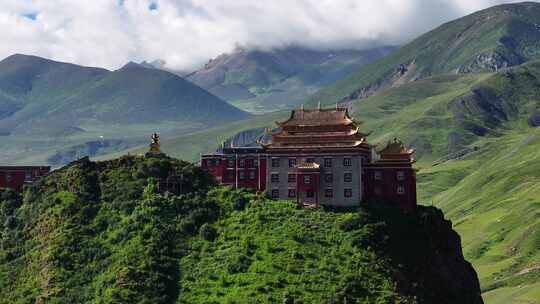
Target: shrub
column 208, row 232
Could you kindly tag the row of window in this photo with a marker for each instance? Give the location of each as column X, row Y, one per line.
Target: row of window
column 378, row 175
column 27, row 177
column 328, row 178
column 399, row 190
column 328, row 193
column 328, row 162
column 231, row 163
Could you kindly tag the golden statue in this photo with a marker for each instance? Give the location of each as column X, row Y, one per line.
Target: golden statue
column 155, row 146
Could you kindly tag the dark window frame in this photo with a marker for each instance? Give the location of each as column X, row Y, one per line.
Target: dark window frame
column 328, row 162
column 347, row 177
column 329, row 193
column 347, row 192
column 291, row 178
column 291, row 193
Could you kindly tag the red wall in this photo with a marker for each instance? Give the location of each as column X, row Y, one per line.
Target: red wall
column 228, row 175
column 389, row 184
column 18, row 176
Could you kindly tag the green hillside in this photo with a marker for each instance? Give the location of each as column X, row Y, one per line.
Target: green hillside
column 268, row 80
column 47, row 106
column 485, row 41
column 101, row 233
column 477, row 147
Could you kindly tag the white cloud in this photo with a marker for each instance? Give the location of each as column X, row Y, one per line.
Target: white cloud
column 186, row 33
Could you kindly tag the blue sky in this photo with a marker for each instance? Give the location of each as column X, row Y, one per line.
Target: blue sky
column 186, row 33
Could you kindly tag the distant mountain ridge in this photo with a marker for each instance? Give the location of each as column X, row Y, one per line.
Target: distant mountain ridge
column 485, row 41
column 41, row 98
column 267, row 80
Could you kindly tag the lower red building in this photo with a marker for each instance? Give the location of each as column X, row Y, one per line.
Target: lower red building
column 15, row 177
column 320, row 157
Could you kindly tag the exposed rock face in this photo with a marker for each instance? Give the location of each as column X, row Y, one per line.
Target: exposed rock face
column 245, row 138
column 430, row 266
column 490, row 61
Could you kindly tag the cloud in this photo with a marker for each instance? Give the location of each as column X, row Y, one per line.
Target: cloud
column 186, row 33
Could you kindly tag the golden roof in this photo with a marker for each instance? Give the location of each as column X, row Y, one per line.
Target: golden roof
column 318, row 117
column 395, row 147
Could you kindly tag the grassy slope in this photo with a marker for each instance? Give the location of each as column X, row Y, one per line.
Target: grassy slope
column 510, row 31
column 504, row 215
column 99, row 233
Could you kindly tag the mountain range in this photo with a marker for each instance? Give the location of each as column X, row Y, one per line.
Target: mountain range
column 268, row 80
column 43, row 101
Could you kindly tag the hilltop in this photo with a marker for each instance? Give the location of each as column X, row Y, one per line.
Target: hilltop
column 41, row 100
column 485, row 41
column 102, row 232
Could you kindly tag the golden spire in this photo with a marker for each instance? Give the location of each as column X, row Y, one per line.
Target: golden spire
column 155, row 147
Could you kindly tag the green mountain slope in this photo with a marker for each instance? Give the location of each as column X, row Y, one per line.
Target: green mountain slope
column 264, row 81
column 100, row 233
column 43, row 100
column 485, row 41
column 477, row 144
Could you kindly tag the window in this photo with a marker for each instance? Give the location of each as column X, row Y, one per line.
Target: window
column 327, row 162
column 275, row 193
column 230, row 163
column 209, row 162
column 292, row 193
column 252, row 175
column 255, row 163
column 8, row 177
column 310, row 194
column 378, row 191
column 328, row 178
column 347, row 192
column 292, row 162
column 329, row 193
column 347, row 162
column 347, row 177
column 241, row 175
column 275, row 162
column 28, row 176
column 242, row 163
column 400, row 190
column 377, row 175
column 230, row 174
column 217, row 162
column 307, row 179
column 400, row 175
column 310, row 160
column 291, row 178
column 274, row 177
column 249, row 163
